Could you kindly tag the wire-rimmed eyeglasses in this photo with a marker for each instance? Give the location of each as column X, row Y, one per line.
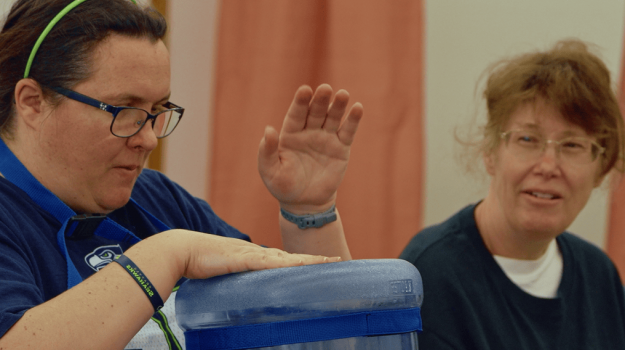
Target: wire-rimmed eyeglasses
column 530, row 145
column 128, row 121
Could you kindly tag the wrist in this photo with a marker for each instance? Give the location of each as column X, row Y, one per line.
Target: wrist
column 143, row 282
column 308, row 208
column 162, row 254
column 175, row 247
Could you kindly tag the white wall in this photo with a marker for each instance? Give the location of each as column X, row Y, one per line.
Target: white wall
column 462, row 38
column 5, row 6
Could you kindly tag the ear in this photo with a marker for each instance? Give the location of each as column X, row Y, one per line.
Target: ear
column 490, row 162
column 30, row 105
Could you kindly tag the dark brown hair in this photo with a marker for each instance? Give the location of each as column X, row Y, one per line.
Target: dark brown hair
column 64, row 57
column 569, row 77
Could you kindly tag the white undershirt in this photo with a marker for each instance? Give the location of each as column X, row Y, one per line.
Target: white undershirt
column 540, row 278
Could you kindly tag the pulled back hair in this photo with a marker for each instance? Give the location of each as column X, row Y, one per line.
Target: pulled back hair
column 569, row 77
column 65, row 56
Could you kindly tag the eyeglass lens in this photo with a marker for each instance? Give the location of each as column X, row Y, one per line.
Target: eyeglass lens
column 130, row 120
column 531, row 145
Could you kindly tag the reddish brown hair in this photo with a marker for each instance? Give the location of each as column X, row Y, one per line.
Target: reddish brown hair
column 567, row 76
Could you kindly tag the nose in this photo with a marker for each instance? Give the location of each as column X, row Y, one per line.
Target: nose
column 145, row 139
column 548, row 163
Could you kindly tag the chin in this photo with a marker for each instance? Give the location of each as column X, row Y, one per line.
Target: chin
column 542, row 222
column 543, row 229
column 113, row 202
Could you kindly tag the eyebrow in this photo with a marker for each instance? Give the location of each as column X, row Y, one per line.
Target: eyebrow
column 532, row 126
column 566, row 133
column 135, row 99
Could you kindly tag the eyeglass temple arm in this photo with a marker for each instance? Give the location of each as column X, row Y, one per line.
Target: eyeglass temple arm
column 87, row 100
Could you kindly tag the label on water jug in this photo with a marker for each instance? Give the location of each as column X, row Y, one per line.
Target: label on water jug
column 401, row 287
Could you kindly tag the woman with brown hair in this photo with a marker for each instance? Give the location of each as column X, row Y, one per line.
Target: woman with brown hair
column 503, row 273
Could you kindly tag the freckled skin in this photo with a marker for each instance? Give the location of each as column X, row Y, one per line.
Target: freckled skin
column 91, row 181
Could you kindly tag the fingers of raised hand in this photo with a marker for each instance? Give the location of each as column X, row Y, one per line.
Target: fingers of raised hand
column 267, row 156
column 348, row 130
column 336, row 111
column 298, row 111
column 318, row 109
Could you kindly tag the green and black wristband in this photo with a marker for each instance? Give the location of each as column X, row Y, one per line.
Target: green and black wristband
column 142, row 281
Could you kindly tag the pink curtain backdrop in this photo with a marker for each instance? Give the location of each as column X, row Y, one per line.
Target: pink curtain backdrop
column 371, row 48
column 616, row 227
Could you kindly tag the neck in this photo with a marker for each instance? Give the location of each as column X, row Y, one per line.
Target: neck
column 502, row 239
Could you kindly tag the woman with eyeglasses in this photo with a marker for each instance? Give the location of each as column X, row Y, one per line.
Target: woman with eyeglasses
column 92, row 245
column 504, row 273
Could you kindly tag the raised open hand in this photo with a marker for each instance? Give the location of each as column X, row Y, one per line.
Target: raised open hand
column 303, row 165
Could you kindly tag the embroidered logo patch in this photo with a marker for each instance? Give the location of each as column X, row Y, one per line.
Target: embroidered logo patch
column 102, row 256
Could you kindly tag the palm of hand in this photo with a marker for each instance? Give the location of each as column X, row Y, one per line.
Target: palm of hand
column 311, row 168
column 304, row 165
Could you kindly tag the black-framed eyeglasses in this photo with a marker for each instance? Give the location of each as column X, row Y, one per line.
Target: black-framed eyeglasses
column 128, row 121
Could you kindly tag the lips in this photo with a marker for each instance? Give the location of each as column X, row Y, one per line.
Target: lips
column 541, row 194
column 129, row 169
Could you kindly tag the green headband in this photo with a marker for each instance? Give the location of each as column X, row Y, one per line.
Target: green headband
column 46, row 31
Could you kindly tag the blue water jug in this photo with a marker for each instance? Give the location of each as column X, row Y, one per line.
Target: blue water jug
column 351, row 305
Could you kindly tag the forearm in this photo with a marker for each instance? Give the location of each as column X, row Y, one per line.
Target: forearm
column 103, row 312
column 328, row 240
column 109, row 308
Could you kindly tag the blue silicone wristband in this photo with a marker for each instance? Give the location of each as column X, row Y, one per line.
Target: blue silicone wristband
column 142, row 281
column 311, row 220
